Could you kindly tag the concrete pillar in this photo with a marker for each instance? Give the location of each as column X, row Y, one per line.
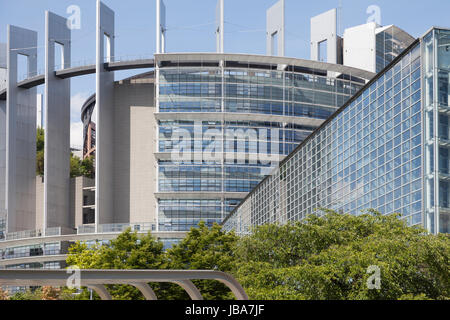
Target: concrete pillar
column 190, row 288
column 104, row 162
column 57, row 125
column 101, row 291
column 324, row 28
column 220, row 26
column 275, row 29
column 2, row 132
column 20, row 134
column 160, row 27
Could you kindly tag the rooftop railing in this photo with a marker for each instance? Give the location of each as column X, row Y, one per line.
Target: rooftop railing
column 117, row 227
column 83, row 63
column 26, row 234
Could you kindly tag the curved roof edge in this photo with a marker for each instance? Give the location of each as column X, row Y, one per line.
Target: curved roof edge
column 325, row 123
column 87, row 104
column 263, row 59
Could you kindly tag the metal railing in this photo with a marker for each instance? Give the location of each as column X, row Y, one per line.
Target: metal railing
column 26, row 234
column 97, row 279
column 117, row 227
column 86, row 228
column 23, row 234
column 83, row 63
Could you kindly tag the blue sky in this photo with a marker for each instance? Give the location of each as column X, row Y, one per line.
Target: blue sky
column 190, row 26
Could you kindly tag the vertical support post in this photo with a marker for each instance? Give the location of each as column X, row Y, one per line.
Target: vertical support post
column 190, row 288
column 160, row 27
column 220, row 25
column 104, row 162
column 20, row 133
column 101, row 291
column 324, row 28
column 145, row 289
column 436, row 130
column 57, row 126
column 2, row 132
column 275, row 29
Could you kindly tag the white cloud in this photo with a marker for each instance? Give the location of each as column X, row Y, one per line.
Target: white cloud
column 76, row 126
column 76, row 102
column 76, row 134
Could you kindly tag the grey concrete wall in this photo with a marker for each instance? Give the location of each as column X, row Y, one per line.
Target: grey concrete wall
column 2, row 158
column 20, row 134
column 275, row 24
column 39, row 202
column 57, row 126
column 104, row 165
column 143, row 169
column 2, row 132
column 160, row 26
column 3, row 58
column 76, row 199
column 135, row 165
column 324, row 27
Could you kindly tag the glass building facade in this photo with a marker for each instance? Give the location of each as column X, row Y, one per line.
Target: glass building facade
column 246, row 116
column 386, row 149
column 390, row 41
column 2, row 227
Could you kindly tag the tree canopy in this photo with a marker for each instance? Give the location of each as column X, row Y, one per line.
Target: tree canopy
column 78, row 167
column 327, row 257
column 205, row 248
column 127, row 251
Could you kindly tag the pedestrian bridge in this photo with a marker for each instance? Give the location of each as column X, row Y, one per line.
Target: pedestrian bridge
column 31, row 81
column 97, row 279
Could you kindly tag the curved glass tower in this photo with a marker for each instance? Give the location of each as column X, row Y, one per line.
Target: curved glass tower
column 386, row 149
column 224, row 121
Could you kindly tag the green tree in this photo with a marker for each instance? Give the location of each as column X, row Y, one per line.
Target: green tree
column 3, row 295
column 205, row 248
column 40, row 151
column 78, row 167
column 75, row 166
column 29, row 294
column 87, row 167
column 320, row 258
column 328, row 258
column 127, row 251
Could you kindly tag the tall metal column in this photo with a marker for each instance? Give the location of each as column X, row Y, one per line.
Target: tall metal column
column 20, row 133
column 57, row 125
column 104, row 162
column 2, row 132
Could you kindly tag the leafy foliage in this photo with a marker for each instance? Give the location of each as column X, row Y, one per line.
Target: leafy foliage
column 82, row 168
column 40, row 151
column 3, row 295
column 327, row 258
column 205, row 249
column 50, row 293
column 78, row 167
column 28, row 295
column 127, row 251
column 320, row 258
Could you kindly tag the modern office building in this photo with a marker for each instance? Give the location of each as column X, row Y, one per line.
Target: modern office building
column 372, row 47
column 387, row 148
column 184, row 141
column 87, row 112
column 368, row 47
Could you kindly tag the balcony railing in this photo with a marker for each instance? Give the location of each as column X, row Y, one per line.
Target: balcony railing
column 26, row 234
column 117, row 227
